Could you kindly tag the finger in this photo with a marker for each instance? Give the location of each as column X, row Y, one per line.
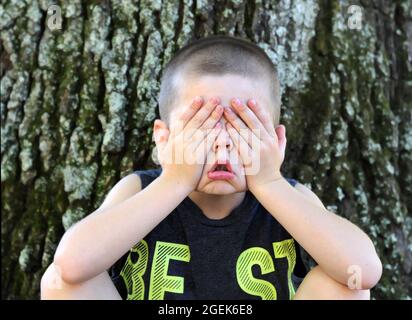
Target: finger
column 240, row 144
column 206, row 145
column 214, row 117
column 238, row 124
column 203, row 113
column 262, row 115
column 186, row 115
column 249, row 117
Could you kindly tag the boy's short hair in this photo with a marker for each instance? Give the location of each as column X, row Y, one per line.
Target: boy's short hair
column 218, row 55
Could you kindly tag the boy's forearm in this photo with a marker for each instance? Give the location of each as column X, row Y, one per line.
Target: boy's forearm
column 334, row 242
column 96, row 242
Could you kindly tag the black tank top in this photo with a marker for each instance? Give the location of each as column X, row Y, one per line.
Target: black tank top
column 246, row 255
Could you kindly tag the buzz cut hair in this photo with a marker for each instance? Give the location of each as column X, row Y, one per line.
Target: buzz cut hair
column 218, row 55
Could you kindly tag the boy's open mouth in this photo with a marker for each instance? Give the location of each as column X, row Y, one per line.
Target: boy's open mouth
column 221, row 170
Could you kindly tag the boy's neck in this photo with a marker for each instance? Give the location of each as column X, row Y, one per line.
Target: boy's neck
column 214, row 206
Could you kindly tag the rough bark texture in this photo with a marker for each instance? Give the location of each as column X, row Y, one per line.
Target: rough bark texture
column 77, row 106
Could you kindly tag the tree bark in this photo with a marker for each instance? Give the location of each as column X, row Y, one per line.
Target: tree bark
column 77, row 107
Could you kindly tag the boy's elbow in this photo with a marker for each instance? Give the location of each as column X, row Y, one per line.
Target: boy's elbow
column 372, row 269
column 362, row 272
column 372, row 274
column 69, row 270
column 365, row 274
column 68, row 262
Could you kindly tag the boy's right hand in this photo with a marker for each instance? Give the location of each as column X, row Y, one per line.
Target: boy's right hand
column 182, row 151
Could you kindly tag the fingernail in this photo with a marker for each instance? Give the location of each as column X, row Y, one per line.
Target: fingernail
column 197, row 99
column 236, row 102
column 218, row 125
column 215, row 100
column 252, row 102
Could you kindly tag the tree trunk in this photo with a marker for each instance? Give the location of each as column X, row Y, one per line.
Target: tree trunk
column 78, row 103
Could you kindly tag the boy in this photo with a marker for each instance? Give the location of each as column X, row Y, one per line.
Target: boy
column 218, row 220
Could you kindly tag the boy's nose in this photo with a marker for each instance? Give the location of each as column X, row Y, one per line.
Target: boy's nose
column 223, row 141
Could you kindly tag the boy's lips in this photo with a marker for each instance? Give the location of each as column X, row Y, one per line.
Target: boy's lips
column 221, row 170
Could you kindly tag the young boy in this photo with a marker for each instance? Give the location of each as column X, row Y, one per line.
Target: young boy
column 218, row 220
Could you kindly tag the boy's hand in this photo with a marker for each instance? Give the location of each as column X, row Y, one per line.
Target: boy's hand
column 183, row 149
column 259, row 144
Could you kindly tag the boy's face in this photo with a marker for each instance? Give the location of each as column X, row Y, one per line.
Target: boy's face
column 225, row 87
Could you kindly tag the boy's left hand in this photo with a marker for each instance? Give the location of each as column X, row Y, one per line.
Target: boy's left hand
column 257, row 141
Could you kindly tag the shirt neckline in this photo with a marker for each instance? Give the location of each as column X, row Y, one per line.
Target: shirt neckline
column 242, row 210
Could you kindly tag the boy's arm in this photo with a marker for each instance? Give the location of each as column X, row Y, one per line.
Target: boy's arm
column 310, row 195
column 125, row 217
column 339, row 247
column 95, row 243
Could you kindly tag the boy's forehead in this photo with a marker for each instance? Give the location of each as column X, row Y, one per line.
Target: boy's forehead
column 226, row 87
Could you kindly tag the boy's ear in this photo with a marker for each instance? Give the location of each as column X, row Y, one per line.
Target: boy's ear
column 160, row 131
column 281, row 134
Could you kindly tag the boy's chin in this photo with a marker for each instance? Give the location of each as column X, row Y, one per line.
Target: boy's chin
column 220, row 187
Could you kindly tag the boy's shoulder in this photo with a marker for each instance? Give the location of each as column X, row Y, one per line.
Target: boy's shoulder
column 147, row 176
column 309, row 194
column 123, row 189
column 292, row 181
